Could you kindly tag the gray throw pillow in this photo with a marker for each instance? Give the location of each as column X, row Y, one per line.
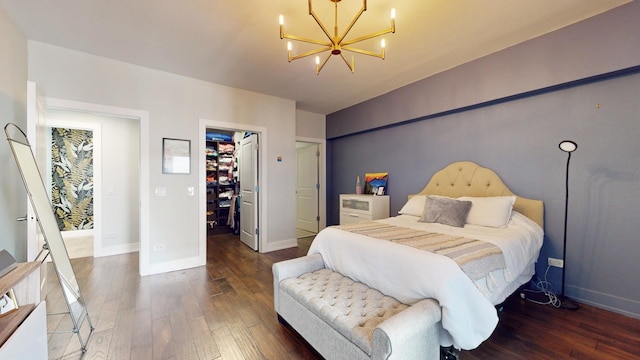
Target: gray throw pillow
column 445, row 211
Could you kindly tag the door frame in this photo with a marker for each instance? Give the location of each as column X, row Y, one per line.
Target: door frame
column 36, row 118
column 143, row 118
column 322, row 177
column 205, row 124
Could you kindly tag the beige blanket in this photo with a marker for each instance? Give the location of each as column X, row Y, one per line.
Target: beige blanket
column 475, row 257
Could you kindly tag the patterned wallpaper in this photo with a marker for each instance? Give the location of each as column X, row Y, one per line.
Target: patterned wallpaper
column 72, row 178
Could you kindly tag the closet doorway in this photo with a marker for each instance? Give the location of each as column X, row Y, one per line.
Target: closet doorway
column 232, row 176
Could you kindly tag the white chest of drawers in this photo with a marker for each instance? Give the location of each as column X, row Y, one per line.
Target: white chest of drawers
column 357, row 208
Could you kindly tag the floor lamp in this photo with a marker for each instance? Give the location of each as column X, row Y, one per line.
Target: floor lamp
column 567, row 146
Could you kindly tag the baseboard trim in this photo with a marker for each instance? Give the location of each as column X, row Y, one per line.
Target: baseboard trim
column 117, row 250
column 280, row 245
column 620, row 305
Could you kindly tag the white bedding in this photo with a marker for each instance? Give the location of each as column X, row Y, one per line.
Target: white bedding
column 409, row 275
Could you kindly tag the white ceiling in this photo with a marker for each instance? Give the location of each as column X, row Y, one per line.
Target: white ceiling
column 237, row 43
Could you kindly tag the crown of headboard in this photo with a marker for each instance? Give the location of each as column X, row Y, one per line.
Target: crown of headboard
column 466, row 178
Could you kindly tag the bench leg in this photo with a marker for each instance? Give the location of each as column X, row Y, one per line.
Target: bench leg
column 449, row 353
column 282, row 321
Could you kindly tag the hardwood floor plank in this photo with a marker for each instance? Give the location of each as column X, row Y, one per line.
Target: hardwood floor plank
column 100, row 344
column 122, row 335
column 205, row 345
column 144, row 352
column 229, row 349
column 180, row 329
column 162, row 343
column 142, row 329
column 106, row 318
column 186, row 350
column 224, row 310
column 245, row 342
column 267, row 343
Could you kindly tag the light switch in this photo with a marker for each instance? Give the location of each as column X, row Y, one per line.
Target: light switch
column 190, row 191
column 161, row 192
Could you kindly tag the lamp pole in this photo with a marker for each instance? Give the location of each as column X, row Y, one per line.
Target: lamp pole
column 567, row 146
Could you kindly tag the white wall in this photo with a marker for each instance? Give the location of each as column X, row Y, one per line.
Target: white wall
column 175, row 105
column 310, row 125
column 13, row 94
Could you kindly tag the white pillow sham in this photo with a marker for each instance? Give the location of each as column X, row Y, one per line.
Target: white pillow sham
column 494, row 211
column 414, row 207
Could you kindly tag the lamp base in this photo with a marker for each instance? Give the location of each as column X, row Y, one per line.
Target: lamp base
column 568, row 304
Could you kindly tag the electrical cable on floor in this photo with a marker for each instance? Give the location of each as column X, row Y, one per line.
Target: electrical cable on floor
column 544, row 295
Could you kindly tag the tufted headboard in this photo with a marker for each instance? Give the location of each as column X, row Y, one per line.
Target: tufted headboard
column 466, row 178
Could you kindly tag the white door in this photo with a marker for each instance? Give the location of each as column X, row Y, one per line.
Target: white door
column 36, row 134
column 307, row 189
column 248, row 177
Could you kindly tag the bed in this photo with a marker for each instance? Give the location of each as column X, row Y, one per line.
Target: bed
column 496, row 219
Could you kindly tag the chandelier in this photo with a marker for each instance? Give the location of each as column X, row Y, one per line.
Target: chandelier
column 337, row 42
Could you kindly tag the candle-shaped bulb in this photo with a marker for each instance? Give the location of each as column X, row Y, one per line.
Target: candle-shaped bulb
column 383, row 44
column 393, row 14
column 317, row 60
column 288, row 45
column 281, row 19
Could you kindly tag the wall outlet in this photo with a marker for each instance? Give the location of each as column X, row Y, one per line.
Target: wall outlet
column 159, row 247
column 559, row 263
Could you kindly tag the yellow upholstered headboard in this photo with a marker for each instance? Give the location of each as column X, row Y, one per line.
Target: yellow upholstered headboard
column 466, row 178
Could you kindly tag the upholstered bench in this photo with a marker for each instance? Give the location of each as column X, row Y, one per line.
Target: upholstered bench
column 345, row 319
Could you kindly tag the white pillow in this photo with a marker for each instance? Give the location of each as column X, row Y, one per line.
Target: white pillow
column 414, row 207
column 492, row 211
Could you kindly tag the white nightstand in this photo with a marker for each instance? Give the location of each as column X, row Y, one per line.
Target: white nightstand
column 357, row 208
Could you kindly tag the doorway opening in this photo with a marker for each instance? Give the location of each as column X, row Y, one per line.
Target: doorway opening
column 232, row 178
column 38, row 110
column 307, row 189
column 231, row 172
column 109, row 222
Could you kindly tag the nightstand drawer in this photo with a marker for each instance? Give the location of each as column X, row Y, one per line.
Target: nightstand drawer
column 356, row 205
column 350, row 218
column 357, row 208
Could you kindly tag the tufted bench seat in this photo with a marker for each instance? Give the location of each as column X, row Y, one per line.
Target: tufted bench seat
column 345, row 319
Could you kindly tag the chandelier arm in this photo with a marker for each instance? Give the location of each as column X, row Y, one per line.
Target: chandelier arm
column 353, row 22
column 370, row 36
column 306, row 40
column 351, row 66
column 308, row 53
column 320, row 66
column 315, row 17
column 365, row 52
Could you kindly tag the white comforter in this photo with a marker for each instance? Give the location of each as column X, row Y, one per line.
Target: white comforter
column 410, row 275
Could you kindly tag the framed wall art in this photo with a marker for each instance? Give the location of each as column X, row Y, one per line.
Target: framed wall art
column 8, row 303
column 376, row 183
column 176, row 156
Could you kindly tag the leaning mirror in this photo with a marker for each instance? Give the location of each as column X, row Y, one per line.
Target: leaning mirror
column 46, row 219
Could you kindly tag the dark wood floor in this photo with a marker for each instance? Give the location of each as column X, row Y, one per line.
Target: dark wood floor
column 225, row 311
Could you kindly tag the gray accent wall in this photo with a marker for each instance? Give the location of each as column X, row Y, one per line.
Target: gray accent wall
column 508, row 111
